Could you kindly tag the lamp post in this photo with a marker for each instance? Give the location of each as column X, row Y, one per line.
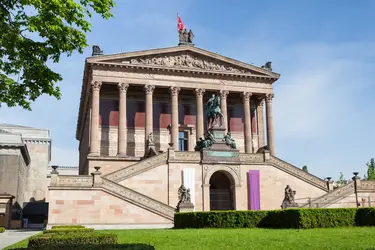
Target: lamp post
column 328, row 182
column 355, row 188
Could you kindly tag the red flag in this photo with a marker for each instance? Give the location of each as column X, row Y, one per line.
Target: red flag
column 180, row 24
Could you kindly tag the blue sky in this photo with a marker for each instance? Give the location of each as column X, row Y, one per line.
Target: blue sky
column 324, row 51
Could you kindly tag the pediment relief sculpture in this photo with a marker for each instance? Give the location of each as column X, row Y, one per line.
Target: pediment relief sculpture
column 187, row 61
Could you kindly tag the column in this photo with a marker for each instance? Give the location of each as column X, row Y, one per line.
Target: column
column 270, row 136
column 174, row 129
column 199, row 119
column 94, row 135
column 149, row 89
column 260, row 120
column 121, row 140
column 223, row 107
column 247, row 122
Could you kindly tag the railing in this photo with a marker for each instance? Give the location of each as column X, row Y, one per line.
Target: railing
column 139, row 199
column 297, row 172
column 333, row 196
column 251, row 158
column 187, row 156
column 137, row 168
column 75, row 181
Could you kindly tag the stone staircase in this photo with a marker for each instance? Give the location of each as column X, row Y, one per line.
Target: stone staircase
column 137, row 168
column 297, row 172
column 138, row 199
column 332, row 197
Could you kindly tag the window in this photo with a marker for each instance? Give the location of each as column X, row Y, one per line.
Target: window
column 183, row 141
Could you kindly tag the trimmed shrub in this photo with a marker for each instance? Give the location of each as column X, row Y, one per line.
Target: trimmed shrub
column 219, row 219
column 365, row 216
column 69, row 226
column 288, row 218
column 72, row 239
column 68, row 230
column 135, row 246
column 2, row 229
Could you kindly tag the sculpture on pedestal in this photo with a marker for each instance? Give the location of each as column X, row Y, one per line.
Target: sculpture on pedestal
column 213, row 112
column 230, row 141
column 185, row 37
column 184, row 203
column 289, row 198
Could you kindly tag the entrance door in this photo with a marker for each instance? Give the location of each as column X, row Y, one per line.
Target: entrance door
column 221, row 195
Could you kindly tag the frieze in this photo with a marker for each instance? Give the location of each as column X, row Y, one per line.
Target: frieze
column 251, row 158
column 298, row 172
column 78, row 181
column 137, row 168
column 187, row 61
column 366, row 185
column 143, row 200
column 133, row 76
column 187, row 156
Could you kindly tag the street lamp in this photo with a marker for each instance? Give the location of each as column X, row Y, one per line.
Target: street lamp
column 355, row 187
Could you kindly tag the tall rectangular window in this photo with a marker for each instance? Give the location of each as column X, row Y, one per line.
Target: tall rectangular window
column 182, row 141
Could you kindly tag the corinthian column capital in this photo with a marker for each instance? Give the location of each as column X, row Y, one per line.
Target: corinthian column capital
column 96, row 85
column 149, row 89
column 174, row 90
column 224, row 94
column 246, row 96
column 199, row 92
column 123, row 87
column 269, row 97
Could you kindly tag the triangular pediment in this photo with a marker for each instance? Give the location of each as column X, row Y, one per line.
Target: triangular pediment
column 184, row 58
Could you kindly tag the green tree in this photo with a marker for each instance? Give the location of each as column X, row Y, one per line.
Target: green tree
column 304, row 168
column 371, row 169
column 342, row 178
column 33, row 32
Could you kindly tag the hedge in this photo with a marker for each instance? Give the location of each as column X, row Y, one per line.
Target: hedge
column 2, row 229
column 72, row 239
column 68, row 230
column 134, row 246
column 69, row 226
column 287, row 218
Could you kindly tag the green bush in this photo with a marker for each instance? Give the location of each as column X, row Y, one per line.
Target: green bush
column 288, row 218
column 68, row 230
column 73, row 239
column 135, row 246
column 70, row 226
column 365, row 216
column 2, row 229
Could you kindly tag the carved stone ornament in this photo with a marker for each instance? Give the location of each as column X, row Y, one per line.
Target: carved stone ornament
column 187, row 61
column 149, row 89
column 95, row 85
column 261, row 103
column 246, row 96
column 122, row 86
column 224, row 94
column 199, row 92
column 289, row 198
column 174, row 90
column 269, row 97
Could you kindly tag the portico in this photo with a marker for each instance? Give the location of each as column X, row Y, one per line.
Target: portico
column 245, row 89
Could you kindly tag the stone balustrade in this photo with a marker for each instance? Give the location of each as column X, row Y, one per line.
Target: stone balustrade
column 76, row 181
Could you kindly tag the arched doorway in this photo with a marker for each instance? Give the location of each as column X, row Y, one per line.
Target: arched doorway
column 221, row 191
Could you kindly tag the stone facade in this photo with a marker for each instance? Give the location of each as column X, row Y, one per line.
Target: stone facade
column 140, row 116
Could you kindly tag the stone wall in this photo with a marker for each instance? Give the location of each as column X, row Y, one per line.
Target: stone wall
column 93, row 207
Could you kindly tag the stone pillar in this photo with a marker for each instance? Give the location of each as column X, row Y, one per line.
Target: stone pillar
column 223, row 107
column 121, row 140
column 54, row 176
column 206, row 197
column 97, row 179
column 260, row 120
column 95, row 100
column 149, row 89
column 247, row 122
column 270, row 132
column 174, row 111
column 199, row 119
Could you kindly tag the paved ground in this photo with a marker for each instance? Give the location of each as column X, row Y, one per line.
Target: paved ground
column 9, row 237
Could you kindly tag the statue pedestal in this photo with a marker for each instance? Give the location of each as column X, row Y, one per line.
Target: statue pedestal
column 220, row 152
column 286, row 205
column 185, row 207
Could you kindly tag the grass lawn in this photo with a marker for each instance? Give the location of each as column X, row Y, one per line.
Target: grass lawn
column 336, row 238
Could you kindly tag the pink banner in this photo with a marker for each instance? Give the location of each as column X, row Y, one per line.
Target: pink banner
column 254, row 189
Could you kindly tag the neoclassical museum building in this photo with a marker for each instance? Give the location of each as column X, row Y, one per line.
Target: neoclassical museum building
column 141, row 116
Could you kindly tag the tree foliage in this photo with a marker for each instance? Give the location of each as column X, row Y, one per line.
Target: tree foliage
column 33, row 32
column 304, row 168
column 342, row 179
column 371, row 169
